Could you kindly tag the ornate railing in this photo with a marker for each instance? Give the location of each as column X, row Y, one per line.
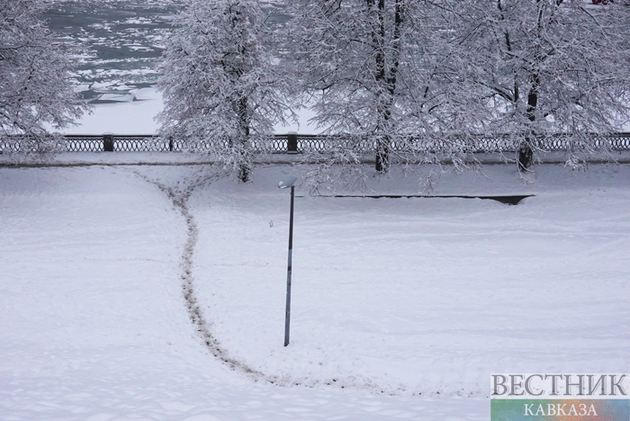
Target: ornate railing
column 293, row 143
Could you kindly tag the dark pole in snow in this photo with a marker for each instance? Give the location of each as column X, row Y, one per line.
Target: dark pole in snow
column 287, row 314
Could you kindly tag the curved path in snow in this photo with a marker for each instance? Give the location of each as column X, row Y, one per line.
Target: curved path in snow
column 92, row 324
column 180, row 197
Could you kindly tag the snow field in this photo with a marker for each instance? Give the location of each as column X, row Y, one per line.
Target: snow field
column 134, row 117
column 138, row 117
column 95, row 326
column 421, row 296
column 88, row 260
column 392, row 297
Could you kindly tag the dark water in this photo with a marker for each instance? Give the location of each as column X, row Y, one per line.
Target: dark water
column 122, row 41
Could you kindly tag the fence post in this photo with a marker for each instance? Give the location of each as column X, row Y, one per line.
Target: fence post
column 292, row 139
column 108, row 142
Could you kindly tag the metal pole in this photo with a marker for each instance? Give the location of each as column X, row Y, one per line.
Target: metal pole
column 287, row 314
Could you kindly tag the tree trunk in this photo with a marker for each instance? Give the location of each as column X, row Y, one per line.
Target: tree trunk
column 525, row 156
column 244, row 165
column 382, row 155
column 525, row 152
column 385, row 77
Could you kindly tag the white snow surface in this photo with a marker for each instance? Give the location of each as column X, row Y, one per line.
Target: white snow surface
column 134, row 113
column 132, row 117
column 401, row 307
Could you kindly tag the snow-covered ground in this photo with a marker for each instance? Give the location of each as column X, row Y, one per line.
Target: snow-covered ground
column 401, row 308
column 137, row 116
column 124, row 117
column 134, row 113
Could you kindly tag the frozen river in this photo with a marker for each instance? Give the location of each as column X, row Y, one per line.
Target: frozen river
column 122, row 42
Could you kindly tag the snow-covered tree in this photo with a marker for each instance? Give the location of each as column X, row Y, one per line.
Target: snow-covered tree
column 35, row 87
column 223, row 87
column 373, row 68
column 544, row 67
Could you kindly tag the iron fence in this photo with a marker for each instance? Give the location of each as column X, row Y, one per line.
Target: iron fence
column 293, row 143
